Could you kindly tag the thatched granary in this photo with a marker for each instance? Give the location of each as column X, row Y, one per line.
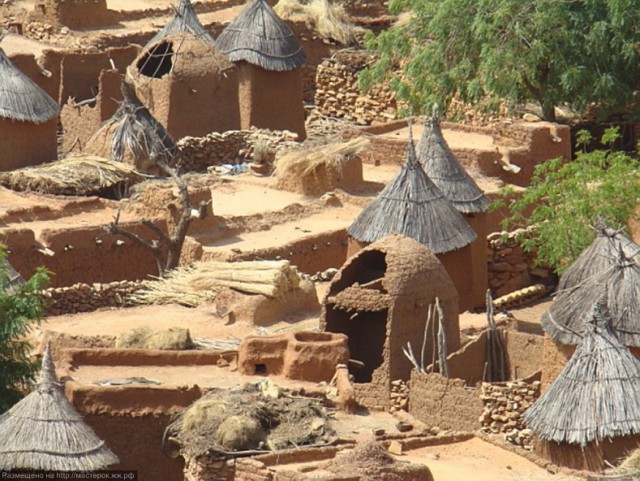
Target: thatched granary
column 599, row 257
column 380, row 300
column 269, row 59
column 184, row 80
column 134, row 136
column 28, row 119
column 44, row 432
column 443, row 168
column 590, row 415
column 564, row 321
column 413, row 206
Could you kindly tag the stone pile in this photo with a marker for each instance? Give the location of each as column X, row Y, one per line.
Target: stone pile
column 88, row 297
column 510, row 267
column 230, row 147
column 38, row 30
column 504, row 404
column 207, row 468
column 399, row 396
column 338, row 95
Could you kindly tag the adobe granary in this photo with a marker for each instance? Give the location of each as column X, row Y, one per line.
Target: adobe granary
column 380, row 300
column 28, row 119
column 179, row 72
column 590, row 415
column 443, row 168
column 269, row 59
column 413, row 206
column 134, row 136
column 45, row 432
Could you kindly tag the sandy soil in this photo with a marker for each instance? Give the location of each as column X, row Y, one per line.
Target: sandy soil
column 455, row 138
column 478, row 460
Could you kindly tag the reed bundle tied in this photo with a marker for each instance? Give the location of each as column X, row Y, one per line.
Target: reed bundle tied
column 194, row 285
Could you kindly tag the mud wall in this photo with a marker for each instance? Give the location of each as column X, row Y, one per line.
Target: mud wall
column 230, row 147
column 82, row 297
column 81, row 254
column 25, row 143
column 337, row 93
column 445, row 403
column 270, row 100
column 73, row 13
column 44, row 71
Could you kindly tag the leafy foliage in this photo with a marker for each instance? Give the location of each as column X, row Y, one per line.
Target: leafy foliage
column 20, row 307
column 579, row 52
column 566, row 199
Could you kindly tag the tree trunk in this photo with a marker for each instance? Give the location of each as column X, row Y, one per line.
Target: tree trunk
column 548, row 112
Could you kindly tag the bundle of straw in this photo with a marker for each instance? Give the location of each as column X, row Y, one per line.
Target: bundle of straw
column 73, row 175
column 192, row 286
column 304, row 164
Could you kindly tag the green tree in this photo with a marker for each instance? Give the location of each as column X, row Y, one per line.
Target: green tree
column 580, row 52
column 20, row 307
column 567, row 198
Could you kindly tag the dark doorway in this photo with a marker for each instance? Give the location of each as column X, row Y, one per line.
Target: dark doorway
column 158, row 60
column 367, row 332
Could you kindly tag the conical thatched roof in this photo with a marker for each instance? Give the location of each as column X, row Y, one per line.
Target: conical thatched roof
column 21, row 98
column 184, row 20
column 258, row 36
column 446, row 172
column 14, row 279
column 44, row 432
column 596, row 394
column 620, row 284
column 413, row 206
column 133, row 133
column 598, row 257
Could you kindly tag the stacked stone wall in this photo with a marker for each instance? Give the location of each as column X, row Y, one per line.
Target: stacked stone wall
column 83, row 297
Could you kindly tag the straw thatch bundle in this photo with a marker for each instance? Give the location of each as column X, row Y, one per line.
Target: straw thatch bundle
column 596, row 395
column 184, row 20
column 620, row 284
column 600, row 256
column 330, row 20
column 44, row 432
column 199, row 283
column 227, row 422
column 258, row 36
column 442, row 167
column 310, row 171
column 133, row 135
column 413, row 206
column 21, row 98
column 77, row 174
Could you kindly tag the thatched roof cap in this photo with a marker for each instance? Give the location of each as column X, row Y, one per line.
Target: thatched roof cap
column 184, row 20
column 44, row 432
column 599, row 256
column 596, row 394
column 620, row 284
column 413, row 206
column 258, row 36
column 133, row 130
column 446, row 172
column 21, row 98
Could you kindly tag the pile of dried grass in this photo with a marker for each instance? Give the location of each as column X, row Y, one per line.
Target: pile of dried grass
column 631, row 465
column 192, row 286
column 73, row 175
column 330, row 20
column 244, row 419
column 309, row 170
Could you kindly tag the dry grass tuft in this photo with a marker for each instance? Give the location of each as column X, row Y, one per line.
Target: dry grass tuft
column 330, row 20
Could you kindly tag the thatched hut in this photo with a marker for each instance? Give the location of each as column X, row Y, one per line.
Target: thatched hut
column 599, row 257
column 179, row 72
column 564, row 321
column 443, row 168
column 269, row 59
column 134, row 136
column 380, row 300
column 44, row 432
column 590, row 415
column 413, row 206
column 28, row 119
